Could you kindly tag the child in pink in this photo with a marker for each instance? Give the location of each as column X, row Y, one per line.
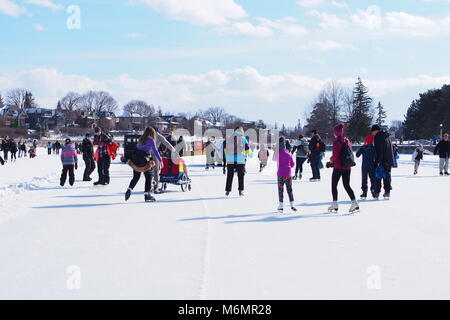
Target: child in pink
column 284, row 173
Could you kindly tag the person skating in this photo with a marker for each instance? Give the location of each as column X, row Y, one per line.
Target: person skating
column 210, row 151
column 70, row 163
column 102, row 141
column 5, row 148
column 224, row 158
column 417, row 156
column 396, row 155
column 263, row 156
column 49, row 148
column 342, row 161
column 23, row 148
column 443, row 150
column 316, row 148
column 181, row 146
column 14, row 149
column 285, row 163
column 161, row 144
column 301, row 154
column 57, row 147
column 140, row 158
column 384, row 161
column 87, row 149
column 236, row 149
column 367, row 151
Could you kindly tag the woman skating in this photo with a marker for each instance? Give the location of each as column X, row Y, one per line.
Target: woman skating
column 342, row 153
column 284, row 173
column 141, row 159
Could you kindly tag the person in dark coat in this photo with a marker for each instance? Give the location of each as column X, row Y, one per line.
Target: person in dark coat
column 13, row 148
column 384, row 159
column 368, row 153
column 5, row 148
column 87, row 149
column 443, row 149
column 102, row 141
column 314, row 156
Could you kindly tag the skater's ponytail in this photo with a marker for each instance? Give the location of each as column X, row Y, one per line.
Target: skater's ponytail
column 148, row 133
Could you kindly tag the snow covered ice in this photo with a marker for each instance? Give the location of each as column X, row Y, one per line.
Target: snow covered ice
column 200, row 245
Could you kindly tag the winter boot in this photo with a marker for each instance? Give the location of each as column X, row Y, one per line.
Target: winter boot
column 128, row 194
column 354, row 207
column 334, row 208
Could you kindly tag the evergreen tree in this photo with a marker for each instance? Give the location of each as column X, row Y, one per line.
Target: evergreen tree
column 29, row 101
column 381, row 115
column 320, row 120
column 361, row 117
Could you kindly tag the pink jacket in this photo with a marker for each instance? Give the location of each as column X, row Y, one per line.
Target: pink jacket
column 285, row 163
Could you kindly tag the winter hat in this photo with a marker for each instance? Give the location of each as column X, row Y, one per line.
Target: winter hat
column 88, row 134
column 282, row 143
column 369, row 139
column 97, row 129
column 375, row 127
column 68, row 141
column 339, row 130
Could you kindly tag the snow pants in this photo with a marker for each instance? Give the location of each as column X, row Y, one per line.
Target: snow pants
column 68, row 169
column 368, row 174
column 104, row 163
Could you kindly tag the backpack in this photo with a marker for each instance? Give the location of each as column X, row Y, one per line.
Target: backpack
column 347, row 157
column 321, row 146
column 235, row 145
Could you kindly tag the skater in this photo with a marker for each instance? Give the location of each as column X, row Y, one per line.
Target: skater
column 342, row 161
column 367, row 151
column 443, row 150
column 288, row 145
column 210, row 151
column 23, row 149
column 301, row 147
column 181, row 146
column 2, row 162
column 417, row 157
column 285, row 164
column 316, row 147
column 87, row 149
column 161, row 144
column 236, row 149
column 384, row 161
column 5, row 148
column 70, row 163
column 263, row 156
column 14, row 149
column 49, row 148
column 141, row 158
column 102, row 141
column 396, row 155
column 57, row 147
column 224, row 158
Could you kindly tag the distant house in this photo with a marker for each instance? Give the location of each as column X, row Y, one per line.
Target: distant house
column 131, row 121
column 12, row 117
column 40, row 118
column 89, row 119
column 169, row 123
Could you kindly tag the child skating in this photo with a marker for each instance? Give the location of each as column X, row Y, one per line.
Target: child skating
column 263, row 156
column 368, row 153
column 70, row 163
column 285, row 164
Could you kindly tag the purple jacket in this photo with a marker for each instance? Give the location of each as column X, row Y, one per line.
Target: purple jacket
column 150, row 147
column 68, row 155
column 285, row 163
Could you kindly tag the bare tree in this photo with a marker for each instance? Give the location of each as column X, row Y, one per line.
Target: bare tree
column 139, row 107
column 17, row 99
column 334, row 94
column 68, row 105
column 98, row 102
column 348, row 98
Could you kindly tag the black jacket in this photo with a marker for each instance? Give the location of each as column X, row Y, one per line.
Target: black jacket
column 443, row 149
column 384, row 150
column 87, row 148
column 313, row 146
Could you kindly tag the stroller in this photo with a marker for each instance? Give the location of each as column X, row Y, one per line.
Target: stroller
column 176, row 174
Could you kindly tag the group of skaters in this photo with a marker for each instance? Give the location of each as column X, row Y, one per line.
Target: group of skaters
column 54, row 147
column 12, row 150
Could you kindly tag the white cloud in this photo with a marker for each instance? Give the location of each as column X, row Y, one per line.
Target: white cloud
column 46, row 4
column 405, row 23
column 310, row 3
column 338, row 4
column 287, row 26
column 328, row 21
column 244, row 28
column 10, row 8
column 327, row 45
column 199, row 12
column 38, row 27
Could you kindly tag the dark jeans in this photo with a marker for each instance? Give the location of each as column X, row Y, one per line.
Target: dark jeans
column 13, row 155
column 299, row 167
column 49, row 151
column 386, row 182
column 366, row 175
column 137, row 176
column 5, row 154
column 231, row 168
column 89, row 167
column 103, row 168
column 288, row 182
column 68, row 169
column 315, row 160
column 345, row 174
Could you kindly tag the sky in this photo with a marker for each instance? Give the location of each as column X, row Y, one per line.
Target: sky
column 258, row 59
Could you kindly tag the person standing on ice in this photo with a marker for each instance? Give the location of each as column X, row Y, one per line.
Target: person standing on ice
column 367, row 151
column 49, row 148
column 384, row 161
column 87, row 149
column 161, row 142
column 70, row 163
column 102, row 141
column 285, row 164
column 417, row 157
column 301, row 146
column 5, row 148
column 316, row 148
column 443, row 149
column 210, row 151
column 263, row 156
column 145, row 148
column 341, row 160
column 236, row 149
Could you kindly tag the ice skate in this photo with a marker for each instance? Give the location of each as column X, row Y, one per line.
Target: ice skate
column 386, row 196
column 293, row 208
column 241, row 193
column 354, row 208
column 227, row 193
column 128, row 194
column 280, row 208
column 363, row 196
column 334, row 208
column 149, row 198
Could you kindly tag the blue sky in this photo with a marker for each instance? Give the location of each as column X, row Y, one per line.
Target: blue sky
column 256, row 58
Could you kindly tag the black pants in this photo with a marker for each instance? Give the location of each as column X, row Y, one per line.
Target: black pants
column 315, row 160
column 137, row 176
column 103, row 168
column 345, row 174
column 89, row 167
column 68, row 168
column 231, row 168
column 49, row 151
column 386, row 182
column 299, row 165
column 368, row 174
column 5, row 154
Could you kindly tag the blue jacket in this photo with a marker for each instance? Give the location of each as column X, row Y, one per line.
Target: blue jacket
column 369, row 156
column 238, row 158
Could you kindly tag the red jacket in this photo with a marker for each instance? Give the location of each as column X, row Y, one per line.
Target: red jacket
column 337, row 147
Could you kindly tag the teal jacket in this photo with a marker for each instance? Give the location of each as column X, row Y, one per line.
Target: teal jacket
column 238, row 158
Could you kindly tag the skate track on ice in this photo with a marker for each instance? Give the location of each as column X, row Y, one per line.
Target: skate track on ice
column 197, row 245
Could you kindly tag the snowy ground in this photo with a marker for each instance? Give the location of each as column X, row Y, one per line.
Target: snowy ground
column 198, row 245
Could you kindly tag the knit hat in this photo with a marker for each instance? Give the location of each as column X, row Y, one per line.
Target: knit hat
column 282, row 143
column 68, row 141
column 88, row 134
column 339, row 130
column 97, row 129
column 369, row 139
column 375, row 127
